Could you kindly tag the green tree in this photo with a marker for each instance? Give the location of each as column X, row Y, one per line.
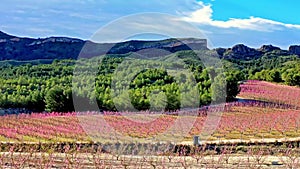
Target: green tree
column 57, row 99
column 218, row 89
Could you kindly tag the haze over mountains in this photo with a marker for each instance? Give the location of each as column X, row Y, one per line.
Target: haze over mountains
column 17, row 48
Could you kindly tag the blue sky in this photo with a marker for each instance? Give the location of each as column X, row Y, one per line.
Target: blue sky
column 225, row 22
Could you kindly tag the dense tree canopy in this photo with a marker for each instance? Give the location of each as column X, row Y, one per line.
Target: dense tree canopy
column 152, row 86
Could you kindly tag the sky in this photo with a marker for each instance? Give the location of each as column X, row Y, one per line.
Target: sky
column 224, row 22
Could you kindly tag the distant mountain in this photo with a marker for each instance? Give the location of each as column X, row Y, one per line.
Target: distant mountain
column 23, row 49
column 243, row 52
column 5, row 36
column 16, row 48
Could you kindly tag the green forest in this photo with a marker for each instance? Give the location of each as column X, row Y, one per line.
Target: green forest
column 52, row 86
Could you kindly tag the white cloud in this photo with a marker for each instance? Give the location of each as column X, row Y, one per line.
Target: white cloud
column 203, row 16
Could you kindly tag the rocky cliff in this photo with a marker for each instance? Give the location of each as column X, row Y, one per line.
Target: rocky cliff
column 16, row 48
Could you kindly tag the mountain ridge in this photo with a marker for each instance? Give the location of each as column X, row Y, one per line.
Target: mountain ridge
column 22, row 48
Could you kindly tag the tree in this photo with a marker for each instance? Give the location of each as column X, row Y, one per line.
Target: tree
column 226, row 87
column 218, row 89
column 58, row 100
column 274, row 76
column 232, row 88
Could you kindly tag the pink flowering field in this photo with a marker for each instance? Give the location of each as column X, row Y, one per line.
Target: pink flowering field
column 278, row 93
column 239, row 120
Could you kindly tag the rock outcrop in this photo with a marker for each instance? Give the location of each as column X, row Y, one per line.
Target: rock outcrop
column 268, row 48
column 294, row 49
column 241, row 51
